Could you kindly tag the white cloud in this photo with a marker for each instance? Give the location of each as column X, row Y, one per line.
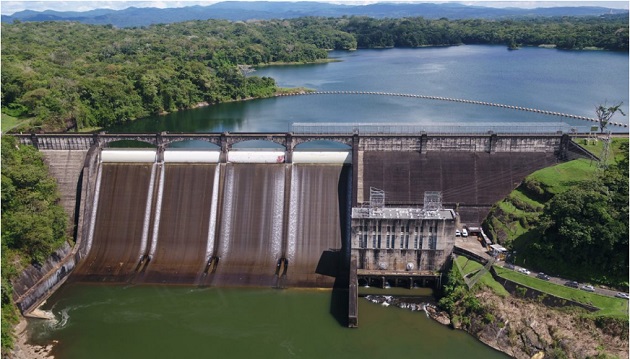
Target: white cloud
column 11, row 7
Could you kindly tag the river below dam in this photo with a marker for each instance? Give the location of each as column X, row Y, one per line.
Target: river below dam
column 114, row 321
column 98, row 320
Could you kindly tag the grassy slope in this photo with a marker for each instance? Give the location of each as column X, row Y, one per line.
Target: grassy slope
column 610, row 307
column 512, row 221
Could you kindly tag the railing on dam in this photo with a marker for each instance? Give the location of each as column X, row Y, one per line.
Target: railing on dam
column 546, row 137
column 384, row 128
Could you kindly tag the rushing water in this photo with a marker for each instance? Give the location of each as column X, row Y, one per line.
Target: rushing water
column 178, row 322
column 572, row 82
column 107, row 321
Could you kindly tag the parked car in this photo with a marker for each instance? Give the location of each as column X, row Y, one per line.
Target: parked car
column 622, row 295
column 542, row 276
column 457, row 233
column 464, row 232
column 524, row 271
column 588, row 288
column 572, row 284
column 509, row 266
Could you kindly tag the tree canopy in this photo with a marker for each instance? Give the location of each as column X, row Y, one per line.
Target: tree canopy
column 588, row 226
column 33, row 222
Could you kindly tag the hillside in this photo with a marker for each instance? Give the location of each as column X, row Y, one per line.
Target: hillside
column 525, row 220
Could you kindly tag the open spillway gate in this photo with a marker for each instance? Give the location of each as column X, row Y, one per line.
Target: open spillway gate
column 182, row 217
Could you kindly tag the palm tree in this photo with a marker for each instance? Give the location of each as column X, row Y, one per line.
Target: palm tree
column 604, row 114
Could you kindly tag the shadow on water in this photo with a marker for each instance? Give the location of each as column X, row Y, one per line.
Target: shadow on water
column 340, row 295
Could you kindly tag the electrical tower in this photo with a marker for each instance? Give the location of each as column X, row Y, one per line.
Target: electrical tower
column 603, row 161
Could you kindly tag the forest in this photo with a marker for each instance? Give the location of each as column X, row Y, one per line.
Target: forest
column 34, row 224
column 70, row 76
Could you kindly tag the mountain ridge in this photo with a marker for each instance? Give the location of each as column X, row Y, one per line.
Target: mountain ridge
column 265, row 10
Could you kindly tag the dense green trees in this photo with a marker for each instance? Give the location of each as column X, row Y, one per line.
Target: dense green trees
column 587, row 227
column 566, row 33
column 33, row 222
column 70, row 75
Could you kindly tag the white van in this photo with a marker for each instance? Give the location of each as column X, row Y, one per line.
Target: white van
column 464, row 232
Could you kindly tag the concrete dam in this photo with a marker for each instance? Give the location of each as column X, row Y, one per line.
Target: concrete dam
column 257, row 224
column 275, row 218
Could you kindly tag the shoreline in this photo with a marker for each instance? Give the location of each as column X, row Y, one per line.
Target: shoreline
column 25, row 350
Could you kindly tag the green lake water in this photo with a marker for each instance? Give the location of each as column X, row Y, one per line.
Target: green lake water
column 103, row 321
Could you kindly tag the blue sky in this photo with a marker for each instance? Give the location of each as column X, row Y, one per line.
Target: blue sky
column 10, row 7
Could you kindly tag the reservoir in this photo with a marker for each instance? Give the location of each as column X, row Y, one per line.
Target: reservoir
column 572, row 82
column 145, row 320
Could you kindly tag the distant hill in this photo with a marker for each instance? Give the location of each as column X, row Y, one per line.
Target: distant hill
column 248, row 10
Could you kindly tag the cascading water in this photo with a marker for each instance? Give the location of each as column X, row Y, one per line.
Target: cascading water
column 212, row 221
column 293, row 211
column 226, row 225
column 97, row 191
column 147, row 212
column 277, row 192
column 118, row 226
column 158, row 211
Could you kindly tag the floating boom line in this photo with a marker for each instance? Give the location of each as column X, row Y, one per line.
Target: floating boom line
column 450, row 99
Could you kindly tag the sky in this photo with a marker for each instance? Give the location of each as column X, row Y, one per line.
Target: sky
column 11, row 7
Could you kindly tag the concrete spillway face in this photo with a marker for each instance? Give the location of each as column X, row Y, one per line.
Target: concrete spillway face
column 250, row 239
column 119, row 223
column 320, row 195
column 243, row 216
column 182, row 224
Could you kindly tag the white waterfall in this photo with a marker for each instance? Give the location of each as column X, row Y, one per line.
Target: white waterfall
column 147, row 213
column 293, row 215
column 212, row 227
column 277, row 192
column 158, row 211
column 226, row 214
column 97, row 191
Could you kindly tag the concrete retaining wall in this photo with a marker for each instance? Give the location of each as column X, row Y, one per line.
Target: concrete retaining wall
column 37, row 283
column 66, row 167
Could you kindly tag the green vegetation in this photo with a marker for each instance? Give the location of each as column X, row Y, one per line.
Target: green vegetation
column 71, row 76
column 458, row 301
column 33, row 223
column 456, row 293
column 571, row 219
column 609, row 306
column 566, row 33
column 469, row 266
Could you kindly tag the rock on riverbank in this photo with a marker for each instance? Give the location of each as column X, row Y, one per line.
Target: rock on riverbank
column 525, row 329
